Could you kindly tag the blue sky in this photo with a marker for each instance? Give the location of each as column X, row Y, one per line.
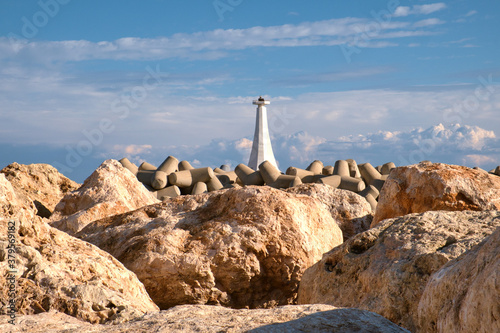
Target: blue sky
column 83, row 81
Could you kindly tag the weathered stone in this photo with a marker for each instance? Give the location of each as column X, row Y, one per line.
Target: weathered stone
column 351, row 211
column 109, row 190
column 426, row 186
column 239, row 247
column 58, row 272
column 215, row 319
column 386, row 268
column 463, row 296
column 40, row 183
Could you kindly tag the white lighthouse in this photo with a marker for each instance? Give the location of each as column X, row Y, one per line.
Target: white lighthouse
column 261, row 147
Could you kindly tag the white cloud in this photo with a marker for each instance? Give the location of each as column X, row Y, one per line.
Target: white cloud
column 212, row 44
column 402, row 11
column 428, row 22
column 470, row 13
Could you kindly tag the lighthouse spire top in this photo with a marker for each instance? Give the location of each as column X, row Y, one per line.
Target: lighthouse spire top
column 262, row 149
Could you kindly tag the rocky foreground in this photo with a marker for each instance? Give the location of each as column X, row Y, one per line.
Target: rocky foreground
column 109, row 256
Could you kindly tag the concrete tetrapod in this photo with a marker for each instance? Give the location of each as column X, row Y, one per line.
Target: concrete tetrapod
column 316, row 167
column 144, row 176
column 199, row 188
column 285, row 181
column 333, row 181
column 190, row 177
column 297, row 181
column 223, row 179
column 312, row 179
column 168, row 192
column 269, row 172
column 372, row 190
column 341, row 168
column 229, row 175
column 351, row 184
column 184, row 165
column 147, row 166
column 369, row 173
column 387, row 167
column 168, row 166
column 159, row 179
column 328, row 170
column 225, row 167
column 353, row 168
column 371, row 200
column 378, row 183
column 248, row 176
column 301, row 173
column 129, row 165
column 214, row 184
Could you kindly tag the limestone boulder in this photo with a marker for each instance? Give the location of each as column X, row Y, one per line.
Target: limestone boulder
column 40, row 183
column 111, row 189
column 351, row 211
column 386, row 268
column 435, row 186
column 463, row 296
column 238, row 247
column 214, row 319
column 54, row 271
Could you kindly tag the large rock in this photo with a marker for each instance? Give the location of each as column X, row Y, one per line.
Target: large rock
column 109, row 190
column 464, row 295
column 214, row 319
column 385, row 269
column 351, row 211
column 238, row 247
column 58, row 272
column 435, row 186
column 40, row 183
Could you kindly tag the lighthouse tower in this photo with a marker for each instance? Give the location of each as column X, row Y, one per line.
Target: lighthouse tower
column 261, row 148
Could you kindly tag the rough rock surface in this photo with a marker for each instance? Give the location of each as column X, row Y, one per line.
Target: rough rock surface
column 435, row 186
column 238, row 247
column 386, row 268
column 58, row 272
column 40, row 183
column 464, row 295
column 110, row 190
column 212, row 319
column 351, row 211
